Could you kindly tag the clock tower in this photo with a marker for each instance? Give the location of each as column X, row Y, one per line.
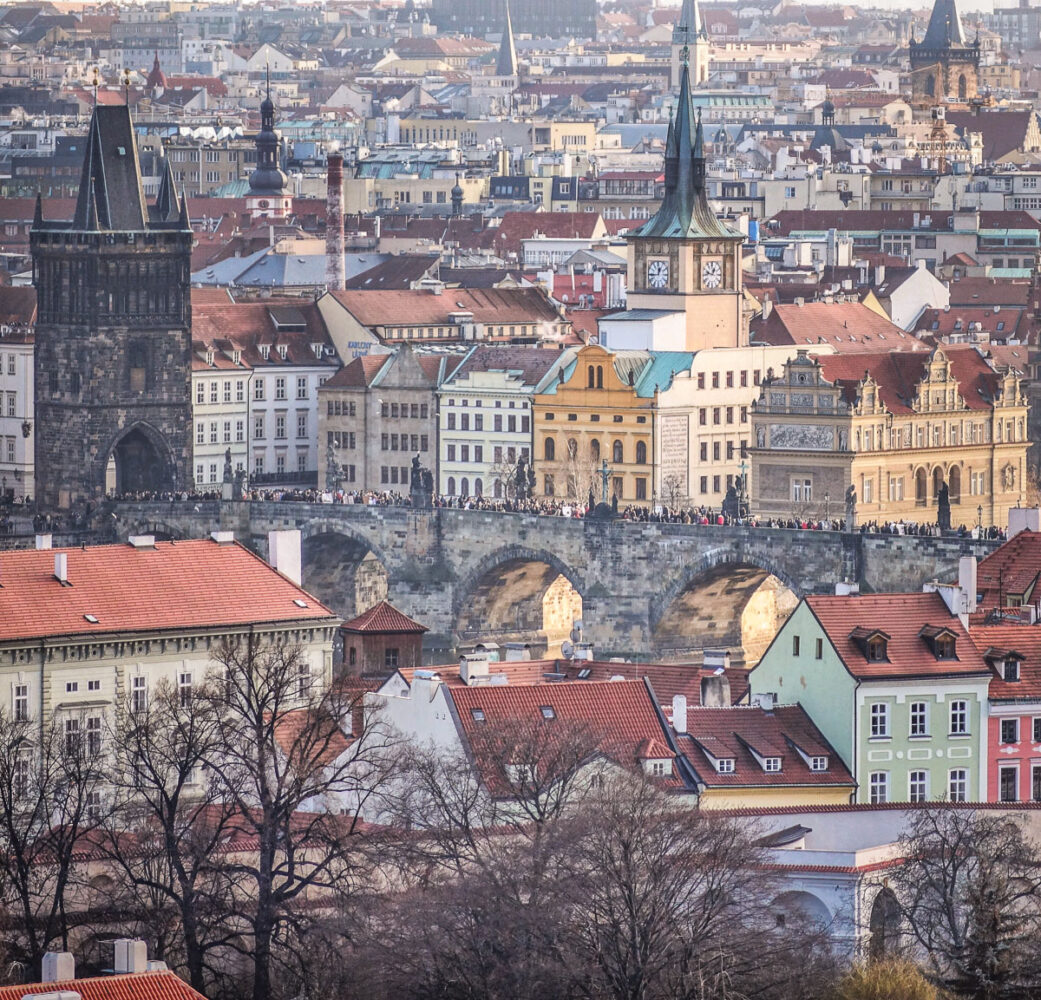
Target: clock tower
column 684, row 259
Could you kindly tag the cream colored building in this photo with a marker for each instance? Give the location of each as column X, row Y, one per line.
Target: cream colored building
column 703, row 423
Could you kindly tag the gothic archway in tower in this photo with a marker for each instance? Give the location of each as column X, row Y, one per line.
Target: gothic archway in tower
column 139, row 462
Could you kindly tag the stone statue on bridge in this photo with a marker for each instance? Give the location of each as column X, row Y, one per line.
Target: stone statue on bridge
column 731, row 504
column 229, row 471
column 333, row 472
column 851, row 508
column 421, row 487
column 520, row 480
column 943, row 507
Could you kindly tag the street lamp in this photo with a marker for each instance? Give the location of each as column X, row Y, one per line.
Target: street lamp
column 827, row 505
column 979, row 517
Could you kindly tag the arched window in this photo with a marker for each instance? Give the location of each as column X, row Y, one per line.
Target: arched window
column 921, row 486
column 641, row 453
column 963, row 88
column 451, row 486
column 572, row 448
column 497, row 489
column 930, row 86
column 549, row 450
column 954, row 484
column 464, row 487
column 478, row 488
column 591, row 380
column 599, row 376
column 937, row 481
column 594, row 450
column 549, row 486
column 616, row 452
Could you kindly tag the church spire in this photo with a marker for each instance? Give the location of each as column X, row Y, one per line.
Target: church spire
column 690, row 26
column 507, row 61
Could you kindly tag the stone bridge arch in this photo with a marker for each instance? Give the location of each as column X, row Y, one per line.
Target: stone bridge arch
column 343, row 567
column 519, row 594
column 725, row 599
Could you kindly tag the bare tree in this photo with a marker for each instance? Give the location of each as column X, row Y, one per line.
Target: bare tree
column 51, row 805
column 970, row 895
column 299, row 785
column 662, row 895
column 171, row 825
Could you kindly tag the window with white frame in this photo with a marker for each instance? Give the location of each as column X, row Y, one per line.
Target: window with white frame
column 72, row 737
column 1009, row 731
column 20, row 776
column 878, row 787
column 725, row 765
column 818, row 763
column 138, row 695
column 959, row 718
column 21, row 702
column 303, row 680
column 958, row 785
column 184, row 688
column 771, row 764
column 879, row 720
column 919, row 719
column 94, row 735
column 917, row 786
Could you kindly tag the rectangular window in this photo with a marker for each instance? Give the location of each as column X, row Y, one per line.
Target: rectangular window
column 301, row 424
column 258, row 426
column 1010, row 730
column 1036, row 727
column 959, row 718
column 879, row 720
column 280, row 426
column 917, row 787
column 21, row 702
column 1035, row 783
column 184, row 688
column 919, row 725
column 20, row 776
column 958, row 785
column 213, row 392
column 72, row 737
column 878, row 786
column 796, row 643
column 94, row 736
column 818, row 649
column 258, row 389
column 280, row 387
column 1008, row 780
column 138, row 695
column 240, row 390
column 301, row 387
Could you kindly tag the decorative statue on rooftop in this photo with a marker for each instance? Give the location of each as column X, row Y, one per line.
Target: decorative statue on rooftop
column 943, row 507
column 851, row 508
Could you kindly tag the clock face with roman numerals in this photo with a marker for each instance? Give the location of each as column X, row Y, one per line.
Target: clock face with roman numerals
column 712, row 274
column 658, row 273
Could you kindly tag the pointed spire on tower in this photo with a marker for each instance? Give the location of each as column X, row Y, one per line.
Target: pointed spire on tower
column 506, row 65
column 38, row 211
column 690, row 25
column 166, row 197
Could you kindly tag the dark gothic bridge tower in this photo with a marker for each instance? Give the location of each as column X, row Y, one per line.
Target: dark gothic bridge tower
column 113, row 335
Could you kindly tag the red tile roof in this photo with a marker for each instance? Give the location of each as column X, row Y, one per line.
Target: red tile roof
column 901, row 616
column 620, row 715
column 1010, row 570
column 383, row 617
column 898, row 374
column 518, row 226
column 999, row 323
column 970, row 291
column 846, row 326
column 1022, row 639
column 176, row 585
column 735, row 732
column 876, row 220
column 139, row 986
column 529, row 363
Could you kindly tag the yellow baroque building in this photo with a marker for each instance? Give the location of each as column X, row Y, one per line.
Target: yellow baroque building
column 896, row 426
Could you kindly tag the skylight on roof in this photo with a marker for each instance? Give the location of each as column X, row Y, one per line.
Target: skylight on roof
column 478, row 714
column 92, row 619
column 299, row 603
column 547, row 711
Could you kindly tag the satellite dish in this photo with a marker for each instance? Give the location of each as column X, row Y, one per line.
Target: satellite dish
column 567, row 649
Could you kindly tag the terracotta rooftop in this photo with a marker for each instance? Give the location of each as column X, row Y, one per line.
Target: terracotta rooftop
column 396, row 307
column 383, row 617
column 846, row 326
column 138, row 986
column 876, row 220
column 175, row 585
column 1011, row 570
column 898, row 374
column 902, row 617
column 1025, row 640
column 734, row 733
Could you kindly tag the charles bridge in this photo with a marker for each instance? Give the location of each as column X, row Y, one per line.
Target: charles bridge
column 640, row 589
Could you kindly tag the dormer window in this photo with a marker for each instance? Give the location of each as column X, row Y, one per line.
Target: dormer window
column 941, row 640
column 659, row 768
column 725, row 765
column 771, row 764
column 209, row 357
column 236, row 356
column 1010, row 669
column 873, row 643
column 318, row 349
column 818, row 763
column 283, row 350
column 265, row 351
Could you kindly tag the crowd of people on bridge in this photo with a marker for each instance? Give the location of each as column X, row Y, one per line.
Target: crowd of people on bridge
column 557, row 507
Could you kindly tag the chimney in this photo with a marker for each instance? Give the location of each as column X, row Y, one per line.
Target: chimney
column 57, row 967
column 679, row 713
column 1023, row 519
column 424, row 685
column 768, row 307
column 473, row 668
column 967, row 582
column 880, row 274
column 335, row 275
column 43, row 541
column 283, row 551
column 61, row 567
column 766, row 700
column 131, row 955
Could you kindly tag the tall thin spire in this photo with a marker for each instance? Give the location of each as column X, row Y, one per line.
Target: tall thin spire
column 507, row 61
column 690, row 26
